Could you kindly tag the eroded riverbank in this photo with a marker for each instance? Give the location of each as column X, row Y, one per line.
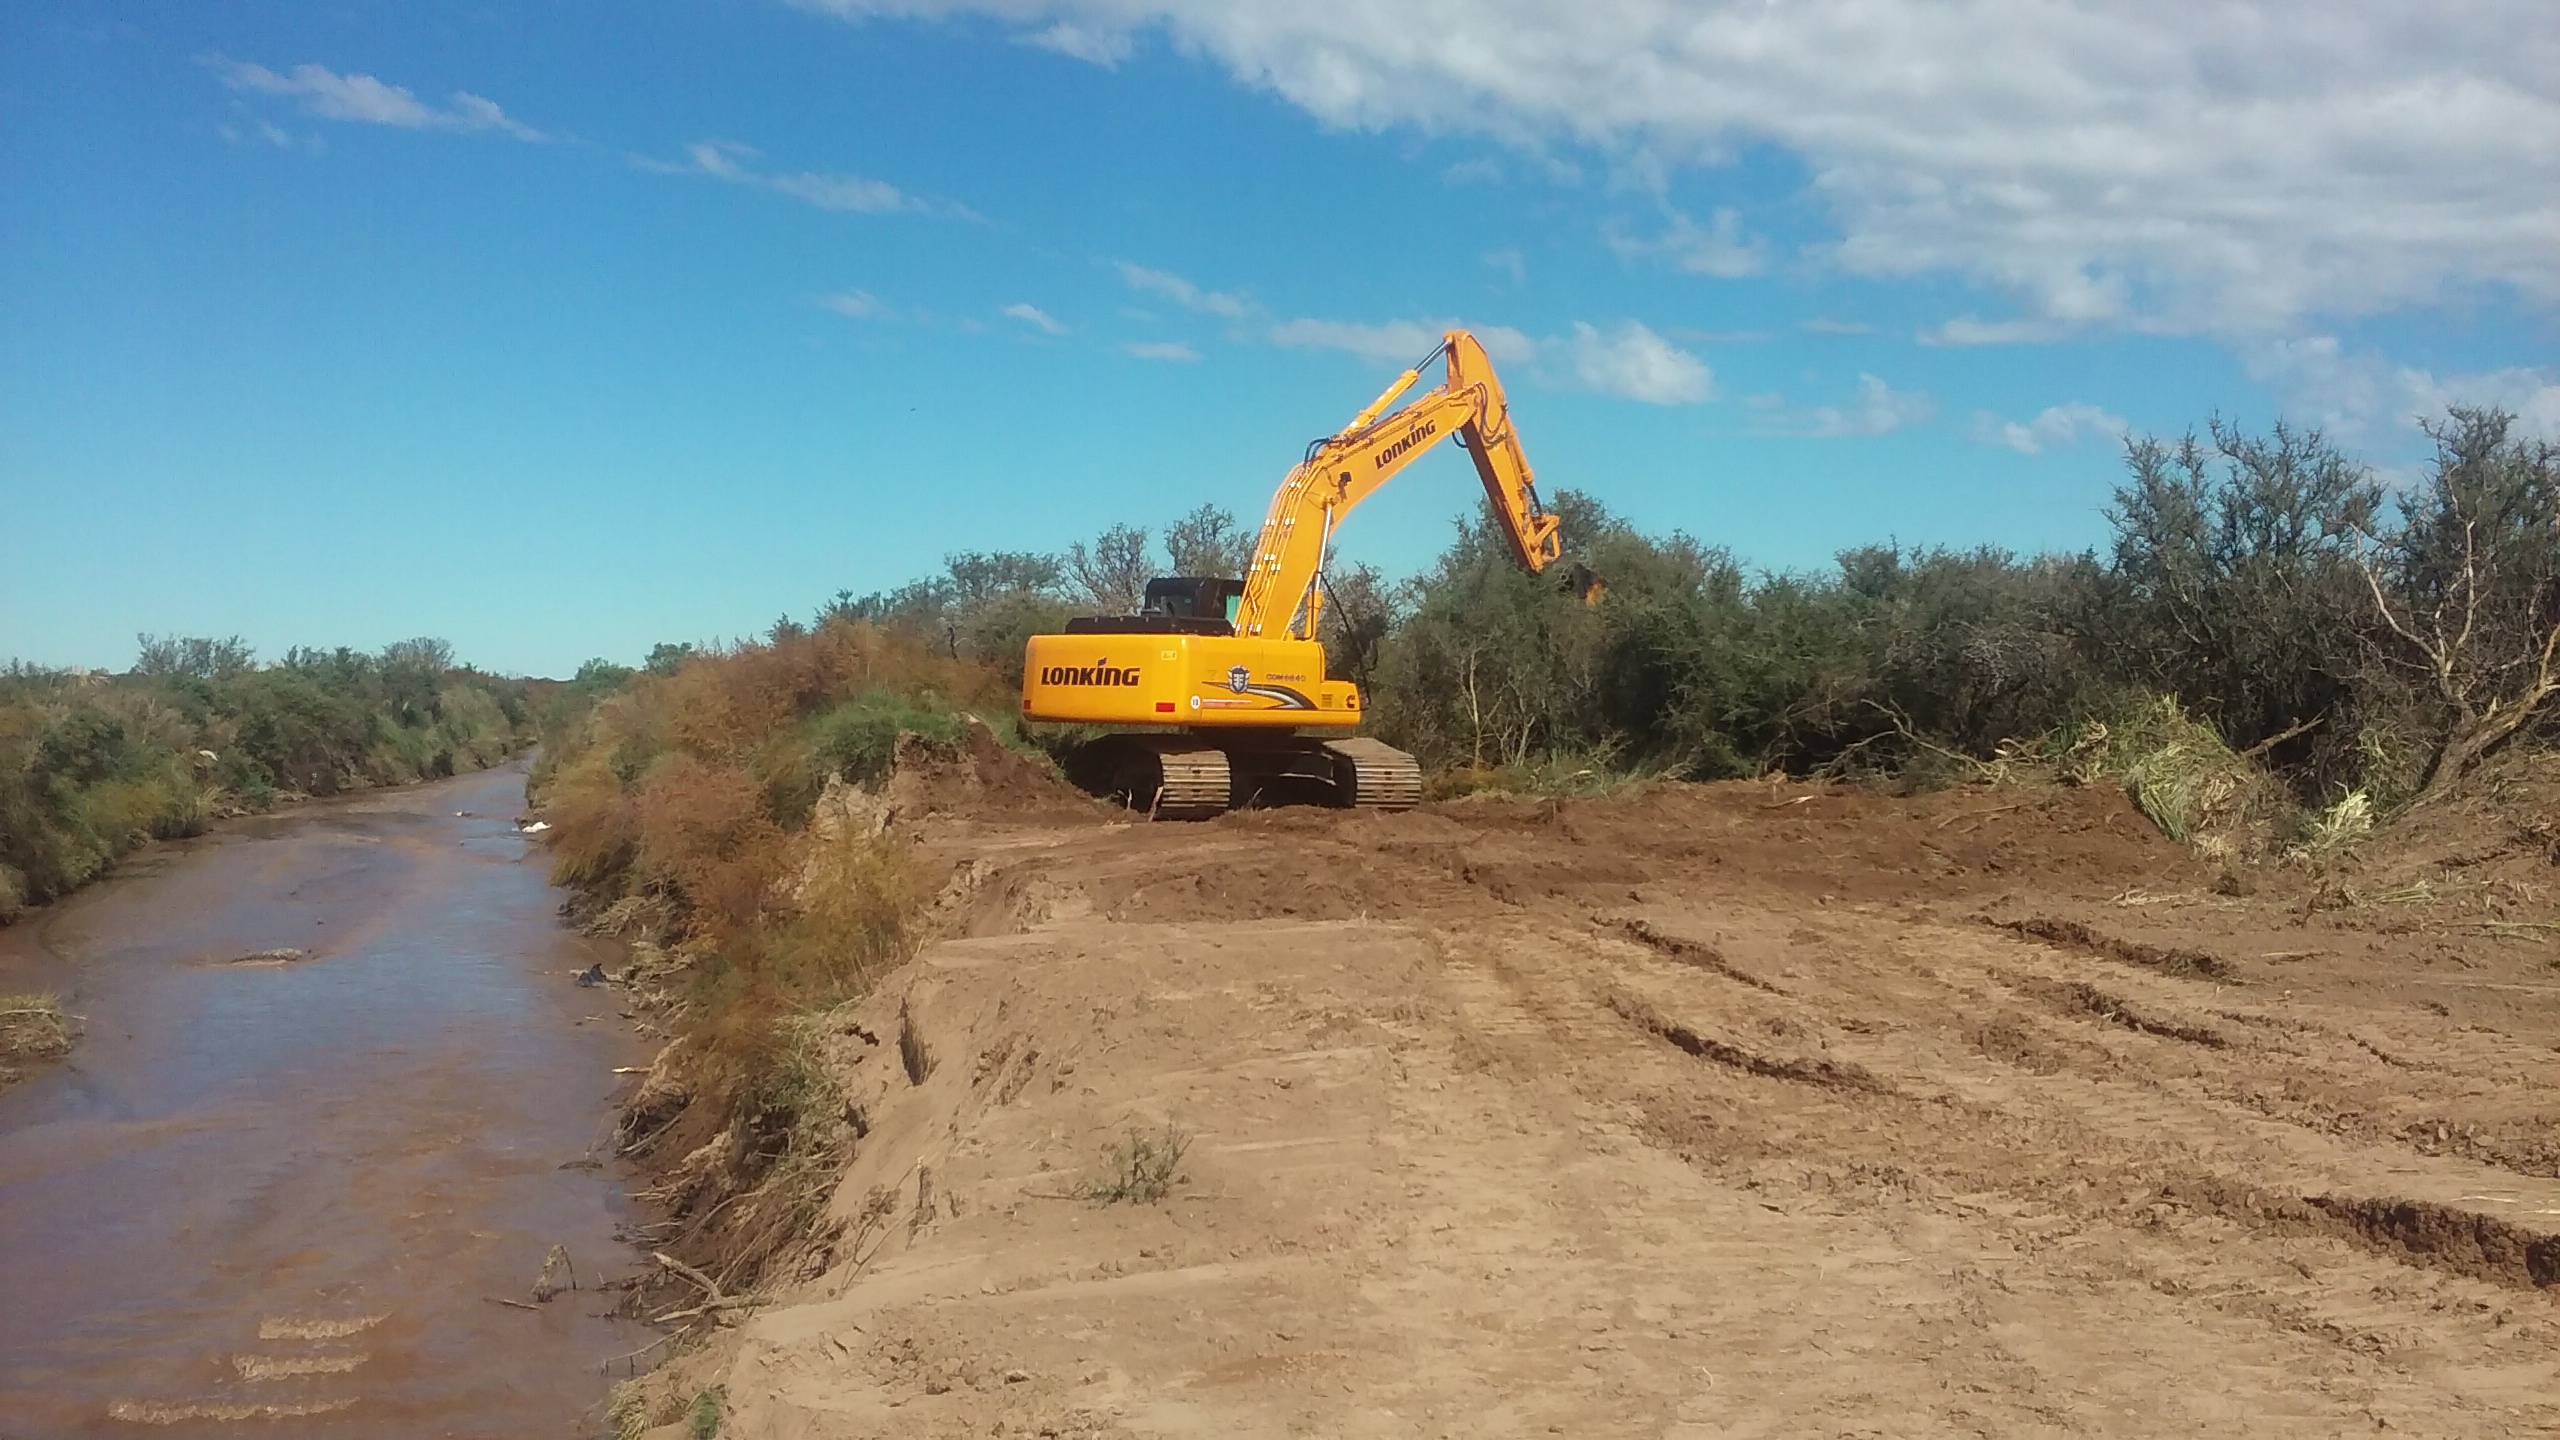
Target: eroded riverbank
column 294, row 1188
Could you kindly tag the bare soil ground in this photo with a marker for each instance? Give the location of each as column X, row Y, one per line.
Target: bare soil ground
column 1728, row 1110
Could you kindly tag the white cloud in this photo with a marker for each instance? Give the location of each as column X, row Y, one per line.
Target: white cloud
column 731, row 162
column 1173, row 350
column 1629, row 361
column 1636, row 364
column 1092, row 44
column 2228, row 165
column 1508, row 261
column 1966, row 330
column 845, row 192
column 855, row 304
column 1879, row 409
column 1398, row 342
column 1183, row 293
column 1035, row 317
column 2053, row 427
column 2360, row 398
column 268, row 132
column 368, row 101
column 1824, row 325
column 1718, row 248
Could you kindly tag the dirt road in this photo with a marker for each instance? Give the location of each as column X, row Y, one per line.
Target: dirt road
column 1722, row 1111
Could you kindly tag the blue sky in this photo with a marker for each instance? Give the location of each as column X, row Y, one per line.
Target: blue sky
column 560, row 330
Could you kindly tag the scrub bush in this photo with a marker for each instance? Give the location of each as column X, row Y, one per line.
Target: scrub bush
column 92, row 765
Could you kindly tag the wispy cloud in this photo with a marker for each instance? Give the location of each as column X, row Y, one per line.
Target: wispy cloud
column 1966, row 330
column 1185, row 294
column 1824, row 325
column 364, row 100
column 2053, row 427
column 267, row 132
column 1397, row 342
column 1093, row 44
column 1508, row 261
column 855, row 305
column 1718, row 248
column 1172, row 350
column 1035, row 317
column 1877, row 409
column 734, row 163
column 1628, row 360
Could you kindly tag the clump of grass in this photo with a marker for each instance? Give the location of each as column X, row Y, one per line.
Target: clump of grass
column 627, row 1414
column 858, row 739
column 2333, row 829
column 1577, row 774
column 1140, row 1169
column 32, row 1027
column 710, row 1411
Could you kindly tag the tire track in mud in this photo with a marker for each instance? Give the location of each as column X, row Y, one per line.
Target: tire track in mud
column 2423, row 1234
column 1607, row 1089
column 2074, row 936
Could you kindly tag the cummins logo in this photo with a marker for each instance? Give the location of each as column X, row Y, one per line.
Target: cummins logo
column 1419, row 435
column 1100, row 672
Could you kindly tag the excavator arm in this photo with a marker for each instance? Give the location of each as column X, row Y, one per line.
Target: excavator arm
column 1239, row 714
column 1282, row 596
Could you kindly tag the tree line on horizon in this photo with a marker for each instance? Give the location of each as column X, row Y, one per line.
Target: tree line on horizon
column 93, row 764
column 2348, row 637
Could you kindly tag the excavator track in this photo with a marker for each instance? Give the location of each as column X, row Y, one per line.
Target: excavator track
column 1193, row 781
column 1375, row 775
column 1169, row 777
column 1196, row 777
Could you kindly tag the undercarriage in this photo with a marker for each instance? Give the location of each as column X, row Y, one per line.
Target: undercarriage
column 1193, row 776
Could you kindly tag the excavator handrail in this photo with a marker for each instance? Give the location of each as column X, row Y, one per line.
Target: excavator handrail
column 1340, row 470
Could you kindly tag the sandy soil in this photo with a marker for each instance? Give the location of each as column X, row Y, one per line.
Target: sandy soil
column 1735, row 1110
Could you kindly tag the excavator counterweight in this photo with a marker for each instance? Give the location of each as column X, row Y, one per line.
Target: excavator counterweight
column 1223, row 680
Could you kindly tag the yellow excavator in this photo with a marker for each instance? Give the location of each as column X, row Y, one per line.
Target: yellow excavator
column 1227, row 675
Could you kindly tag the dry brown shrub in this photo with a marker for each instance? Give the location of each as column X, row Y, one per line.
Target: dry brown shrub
column 703, row 830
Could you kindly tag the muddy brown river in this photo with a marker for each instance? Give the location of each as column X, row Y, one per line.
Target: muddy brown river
column 284, row 1197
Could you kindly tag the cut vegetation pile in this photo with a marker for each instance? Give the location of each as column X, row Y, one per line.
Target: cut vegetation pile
column 32, row 1029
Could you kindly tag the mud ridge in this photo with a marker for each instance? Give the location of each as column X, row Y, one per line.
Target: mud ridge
column 2415, row 1232
column 1830, row 1074
column 2464, row 1241
column 2072, row 935
column 1693, row 954
column 2074, row 997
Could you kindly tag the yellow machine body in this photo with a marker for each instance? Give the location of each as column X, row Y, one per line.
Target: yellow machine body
column 1193, row 681
column 1212, row 687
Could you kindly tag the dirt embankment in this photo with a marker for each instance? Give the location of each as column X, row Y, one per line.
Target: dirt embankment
column 1697, row 1111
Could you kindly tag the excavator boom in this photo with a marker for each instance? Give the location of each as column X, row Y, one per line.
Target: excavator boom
column 1224, row 674
column 1281, row 593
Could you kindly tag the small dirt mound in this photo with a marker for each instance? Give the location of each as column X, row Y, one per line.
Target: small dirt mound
column 978, row 777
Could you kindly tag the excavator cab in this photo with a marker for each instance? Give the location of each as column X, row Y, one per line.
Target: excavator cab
column 1196, row 597
column 1175, row 605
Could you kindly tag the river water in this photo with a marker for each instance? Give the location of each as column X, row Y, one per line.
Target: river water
column 283, row 1198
